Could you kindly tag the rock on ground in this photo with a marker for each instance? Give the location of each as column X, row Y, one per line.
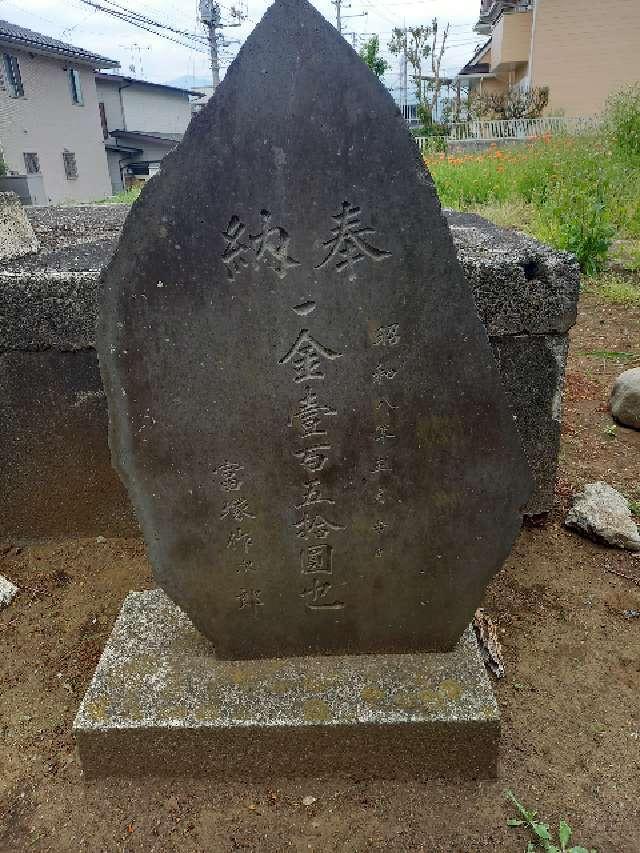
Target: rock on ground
column 16, row 232
column 625, row 398
column 603, row 514
column 8, row 591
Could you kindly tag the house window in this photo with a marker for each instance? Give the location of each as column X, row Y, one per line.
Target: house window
column 70, row 166
column 103, row 120
column 31, row 163
column 75, row 86
column 14, row 78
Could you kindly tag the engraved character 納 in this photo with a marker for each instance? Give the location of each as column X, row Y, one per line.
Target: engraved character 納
column 305, row 356
column 234, row 253
column 347, row 243
column 272, row 247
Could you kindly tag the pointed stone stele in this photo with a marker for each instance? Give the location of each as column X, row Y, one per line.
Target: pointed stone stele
column 303, row 403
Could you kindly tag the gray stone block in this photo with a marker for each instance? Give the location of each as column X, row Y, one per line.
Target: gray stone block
column 532, row 368
column 56, row 478
column 160, row 703
column 520, row 286
column 526, row 294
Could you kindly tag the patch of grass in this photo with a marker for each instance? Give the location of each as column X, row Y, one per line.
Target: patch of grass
column 616, row 289
column 542, row 837
column 577, row 194
column 515, row 214
column 126, row 197
column 634, row 506
column 611, row 355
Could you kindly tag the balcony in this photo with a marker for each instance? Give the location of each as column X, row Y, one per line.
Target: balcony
column 511, row 41
column 491, row 10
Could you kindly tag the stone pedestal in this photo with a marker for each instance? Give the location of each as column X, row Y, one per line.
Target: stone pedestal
column 161, row 704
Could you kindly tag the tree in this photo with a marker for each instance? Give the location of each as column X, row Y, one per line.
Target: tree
column 415, row 41
column 436, row 61
column 370, row 55
column 515, row 103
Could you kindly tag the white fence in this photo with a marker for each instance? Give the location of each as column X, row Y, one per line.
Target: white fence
column 512, row 129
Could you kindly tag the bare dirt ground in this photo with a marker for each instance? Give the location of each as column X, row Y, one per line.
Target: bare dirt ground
column 570, row 699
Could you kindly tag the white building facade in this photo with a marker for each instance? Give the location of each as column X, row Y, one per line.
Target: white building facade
column 50, row 131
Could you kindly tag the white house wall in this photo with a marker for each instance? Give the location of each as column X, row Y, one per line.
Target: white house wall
column 47, row 122
column 155, row 110
column 110, row 97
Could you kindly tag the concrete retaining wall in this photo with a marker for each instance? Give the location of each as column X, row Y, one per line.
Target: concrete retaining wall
column 55, row 475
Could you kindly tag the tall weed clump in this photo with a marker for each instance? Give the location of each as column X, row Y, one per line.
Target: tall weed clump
column 573, row 208
column 581, row 192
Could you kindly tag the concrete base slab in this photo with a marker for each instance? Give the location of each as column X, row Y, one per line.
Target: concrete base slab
column 161, row 704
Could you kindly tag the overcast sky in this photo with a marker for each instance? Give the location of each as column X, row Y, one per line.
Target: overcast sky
column 160, row 60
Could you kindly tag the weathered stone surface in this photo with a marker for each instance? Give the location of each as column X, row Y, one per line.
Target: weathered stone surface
column 16, row 234
column 304, row 405
column 8, row 591
column 161, row 703
column 520, row 285
column 602, row 513
column 48, row 301
column 56, row 477
column 532, row 368
column 625, row 398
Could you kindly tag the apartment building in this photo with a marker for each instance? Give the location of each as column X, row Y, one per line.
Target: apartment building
column 51, row 140
column 582, row 50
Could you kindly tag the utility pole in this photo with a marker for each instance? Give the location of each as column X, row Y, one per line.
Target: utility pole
column 210, row 17
column 405, row 76
column 338, row 5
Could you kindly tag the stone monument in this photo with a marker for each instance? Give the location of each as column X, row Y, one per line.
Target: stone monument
column 311, row 426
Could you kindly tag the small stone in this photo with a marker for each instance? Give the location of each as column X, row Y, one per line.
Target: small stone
column 100, row 540
column 17, row 237
column 8, row 591
column 309, row 801
column 625, row 398
column 603, row 514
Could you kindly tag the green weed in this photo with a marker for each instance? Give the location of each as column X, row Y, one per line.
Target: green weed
column 611, row 355
column 125, row 197
column 541, row 833
column 615, row 288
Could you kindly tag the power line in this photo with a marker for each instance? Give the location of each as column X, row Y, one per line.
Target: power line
column 194, row 42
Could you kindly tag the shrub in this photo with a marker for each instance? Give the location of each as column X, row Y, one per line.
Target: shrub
column 622, row 122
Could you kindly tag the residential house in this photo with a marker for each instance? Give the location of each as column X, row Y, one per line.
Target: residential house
column 582, row 50
column 141, row 122
column 50, row 133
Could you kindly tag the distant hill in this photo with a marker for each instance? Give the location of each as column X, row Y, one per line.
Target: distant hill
column 189, row 82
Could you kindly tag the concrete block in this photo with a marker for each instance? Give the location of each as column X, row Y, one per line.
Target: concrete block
column 161, row 704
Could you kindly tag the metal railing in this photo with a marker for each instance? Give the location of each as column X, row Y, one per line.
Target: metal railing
column 520, row 128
